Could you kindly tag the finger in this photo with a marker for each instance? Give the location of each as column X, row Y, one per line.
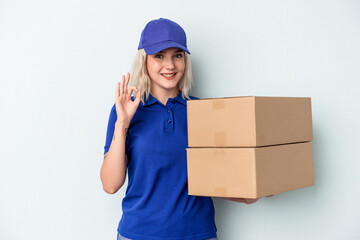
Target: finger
column 129, row 91
column 125, row 83
column 122, row 85
column 138, row 95
column 127, row 78
column 117, row 90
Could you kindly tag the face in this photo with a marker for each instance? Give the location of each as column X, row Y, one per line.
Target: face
column 166, row 69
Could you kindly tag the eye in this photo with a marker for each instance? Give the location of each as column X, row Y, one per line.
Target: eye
column 179, row 55
column 158, row 56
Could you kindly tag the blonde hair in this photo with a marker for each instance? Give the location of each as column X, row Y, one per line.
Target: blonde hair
column 140, row 78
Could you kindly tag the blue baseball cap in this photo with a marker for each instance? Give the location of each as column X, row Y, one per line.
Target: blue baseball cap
column 160, row 34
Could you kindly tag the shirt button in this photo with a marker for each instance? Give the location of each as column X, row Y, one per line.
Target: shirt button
column 168, row 110
column 169, row 121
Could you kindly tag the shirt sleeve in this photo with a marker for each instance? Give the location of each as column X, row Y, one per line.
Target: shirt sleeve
column 110, row 129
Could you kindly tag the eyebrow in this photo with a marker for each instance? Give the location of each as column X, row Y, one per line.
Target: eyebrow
column 175, row 52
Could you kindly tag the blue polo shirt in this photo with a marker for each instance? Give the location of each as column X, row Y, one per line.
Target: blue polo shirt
column 157, row 205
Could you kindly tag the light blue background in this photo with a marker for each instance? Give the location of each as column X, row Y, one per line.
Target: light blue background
column 59, row 64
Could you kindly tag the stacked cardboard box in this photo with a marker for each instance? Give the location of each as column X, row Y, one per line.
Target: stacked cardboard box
column 249, row 147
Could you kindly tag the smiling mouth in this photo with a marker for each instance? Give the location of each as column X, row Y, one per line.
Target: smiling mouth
column 168, row 74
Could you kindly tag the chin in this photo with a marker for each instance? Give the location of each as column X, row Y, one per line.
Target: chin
column 170, row 85
column 171, row 88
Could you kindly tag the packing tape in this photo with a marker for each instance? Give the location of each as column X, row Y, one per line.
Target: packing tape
column 218, row 104
column 220, row 192
column 220, row 139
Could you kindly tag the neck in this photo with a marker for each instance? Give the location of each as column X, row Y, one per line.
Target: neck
column 163, row 95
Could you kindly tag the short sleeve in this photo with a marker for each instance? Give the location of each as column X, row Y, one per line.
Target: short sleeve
column 110, row 129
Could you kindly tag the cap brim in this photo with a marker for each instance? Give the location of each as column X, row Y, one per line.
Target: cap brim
column 157, row 47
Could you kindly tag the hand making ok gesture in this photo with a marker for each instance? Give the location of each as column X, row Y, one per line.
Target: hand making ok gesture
column 125, row 107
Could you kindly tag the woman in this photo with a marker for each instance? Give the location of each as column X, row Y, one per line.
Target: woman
column 147, row 135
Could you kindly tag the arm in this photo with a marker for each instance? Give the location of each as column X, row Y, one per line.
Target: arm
column 113, row 169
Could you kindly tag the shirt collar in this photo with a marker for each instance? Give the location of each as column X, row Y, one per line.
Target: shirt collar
column 151, row 100
column 180, row 99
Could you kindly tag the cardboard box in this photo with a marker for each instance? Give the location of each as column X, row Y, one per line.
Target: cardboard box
column 248, row 121
column 249, row 172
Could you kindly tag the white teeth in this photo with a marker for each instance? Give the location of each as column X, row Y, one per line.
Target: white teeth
column 168, row 75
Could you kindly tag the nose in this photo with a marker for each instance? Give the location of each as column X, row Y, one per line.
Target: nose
column 169, row 63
